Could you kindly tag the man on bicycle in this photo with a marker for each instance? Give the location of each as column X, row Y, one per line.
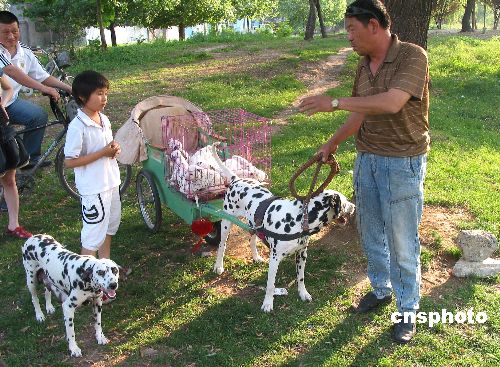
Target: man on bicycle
column 24, row 69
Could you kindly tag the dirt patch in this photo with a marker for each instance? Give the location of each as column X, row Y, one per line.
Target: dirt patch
column 439, row 224
column 319, row 77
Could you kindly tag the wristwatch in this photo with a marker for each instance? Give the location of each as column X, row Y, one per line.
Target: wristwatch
column 335, row 103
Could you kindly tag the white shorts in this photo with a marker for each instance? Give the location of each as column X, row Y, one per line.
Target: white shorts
column 101, row 214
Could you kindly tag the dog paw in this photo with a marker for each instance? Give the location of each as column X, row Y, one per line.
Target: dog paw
column 218, row 269
column 101, row 339
column 305, row 296
column 50, row 310
column 75, row 352
column 258, row 259
column 267, row 306
column 40, row 317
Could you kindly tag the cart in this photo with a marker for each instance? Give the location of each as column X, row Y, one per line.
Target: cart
column 194, row 192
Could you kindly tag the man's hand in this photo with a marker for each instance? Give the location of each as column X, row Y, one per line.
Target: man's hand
column 327, row 149
column 314, row 104
column 53, row 93
column 111, row 150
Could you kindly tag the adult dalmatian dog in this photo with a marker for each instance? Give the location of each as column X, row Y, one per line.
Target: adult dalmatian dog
column 278, row 222
column 72, row 278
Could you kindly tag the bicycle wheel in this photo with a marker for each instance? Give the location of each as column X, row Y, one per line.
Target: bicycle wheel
column 148, row 200
column 67, row 176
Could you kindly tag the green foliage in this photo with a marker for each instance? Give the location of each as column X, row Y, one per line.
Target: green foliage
column 283, row 29
column 296, row 12
column 255, row 9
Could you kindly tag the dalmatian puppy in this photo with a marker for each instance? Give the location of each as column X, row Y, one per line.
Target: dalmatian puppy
column 281, row 225
column 192, row 178
column 241, row 167
column 203, row 157
column 72, row 278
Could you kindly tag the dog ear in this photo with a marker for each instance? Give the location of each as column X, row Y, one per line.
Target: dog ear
column 336, row 202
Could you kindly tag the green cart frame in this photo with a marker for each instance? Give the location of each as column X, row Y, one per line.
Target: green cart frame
column 153, row 190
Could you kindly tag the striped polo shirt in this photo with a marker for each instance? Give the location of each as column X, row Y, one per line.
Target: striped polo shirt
column 406, row 133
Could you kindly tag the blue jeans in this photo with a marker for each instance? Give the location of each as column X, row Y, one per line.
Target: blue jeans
column 389, row 201
column 26, row 113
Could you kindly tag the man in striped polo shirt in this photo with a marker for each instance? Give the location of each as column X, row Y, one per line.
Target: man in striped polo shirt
column 389, row 116
column 22, row 66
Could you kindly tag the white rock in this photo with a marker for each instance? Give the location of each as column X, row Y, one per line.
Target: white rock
column 477, row 245
column 483, row 269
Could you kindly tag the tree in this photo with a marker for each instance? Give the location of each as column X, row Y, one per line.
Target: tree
column 254, row 9
column 442, row 9
column 296, row 12
column 67, row 19
column 466, row 19
column 410, row 19
column 495, row 6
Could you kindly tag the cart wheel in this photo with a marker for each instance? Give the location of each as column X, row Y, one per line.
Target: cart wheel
column 67, row 176
column 149, row 200
column 213, row 238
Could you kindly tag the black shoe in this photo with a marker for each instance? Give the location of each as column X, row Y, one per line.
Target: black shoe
column 3, row 206
column 32, row 164
column 370, row 302
column 403, row 332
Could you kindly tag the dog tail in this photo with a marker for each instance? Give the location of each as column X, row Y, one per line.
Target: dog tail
column 225, row 172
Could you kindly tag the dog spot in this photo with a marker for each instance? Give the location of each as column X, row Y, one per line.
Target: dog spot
column 278, row 208
column 271, row 208
column 277, row 225
column 298, row 218
column 287, row 228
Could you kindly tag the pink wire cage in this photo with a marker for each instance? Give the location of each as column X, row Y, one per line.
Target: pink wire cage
column 243, row 142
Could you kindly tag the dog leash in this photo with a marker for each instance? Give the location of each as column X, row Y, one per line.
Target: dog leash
column 264, row 233
column 318, row 160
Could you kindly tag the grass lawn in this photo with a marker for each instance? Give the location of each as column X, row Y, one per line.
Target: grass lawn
column 174, row 311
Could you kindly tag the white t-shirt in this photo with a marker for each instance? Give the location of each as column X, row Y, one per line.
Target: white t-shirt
column 26, row 60
column 85, row 137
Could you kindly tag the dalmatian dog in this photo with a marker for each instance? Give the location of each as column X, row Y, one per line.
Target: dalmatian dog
column 203, row 157
column 281, row 225
column 192, row 178
column 242, row 168
column 72, row 278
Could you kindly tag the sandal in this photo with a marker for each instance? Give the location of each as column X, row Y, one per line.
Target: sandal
column 19, row 232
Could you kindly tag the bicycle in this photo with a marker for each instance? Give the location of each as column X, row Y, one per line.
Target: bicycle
column 63, row 110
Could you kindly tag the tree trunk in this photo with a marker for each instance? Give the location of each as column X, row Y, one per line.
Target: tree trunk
column 113, row 34
column 496, row 17
column 474, row 19
column 182, row 32
column 320, row 17
column 410, row 20
column 466, row 25
column 101, row 28
column 311, row 21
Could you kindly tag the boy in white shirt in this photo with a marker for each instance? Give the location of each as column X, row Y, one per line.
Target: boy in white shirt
column 91, row 151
